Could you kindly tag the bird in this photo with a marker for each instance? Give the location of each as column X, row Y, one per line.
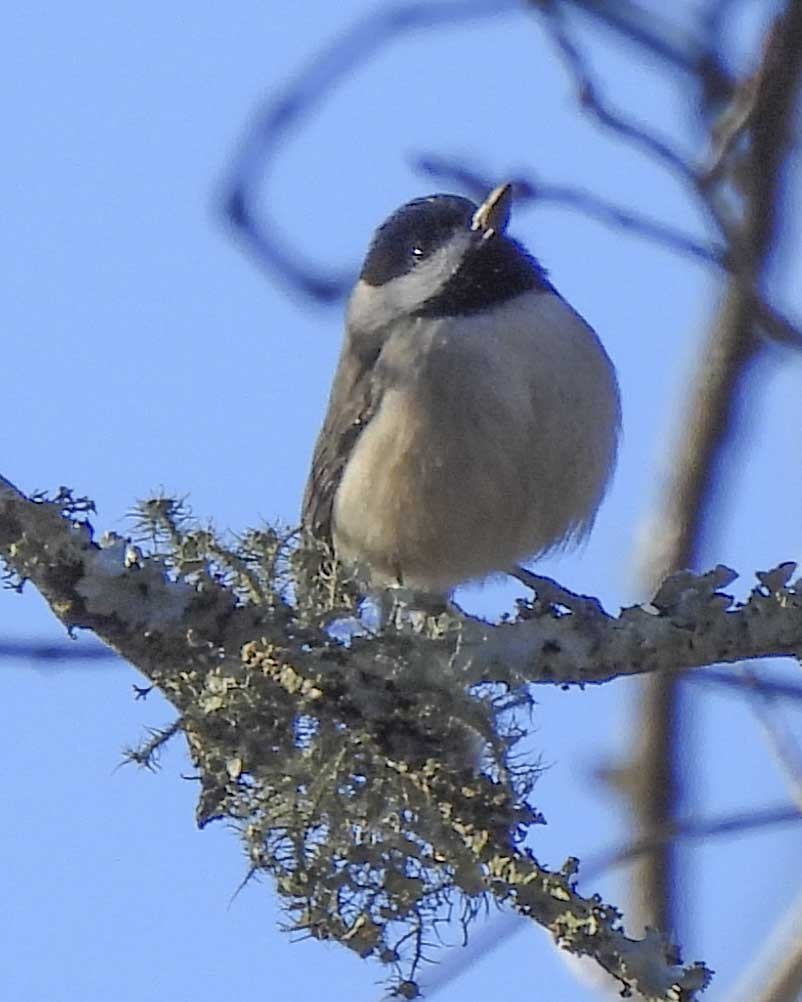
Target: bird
column 474, row 415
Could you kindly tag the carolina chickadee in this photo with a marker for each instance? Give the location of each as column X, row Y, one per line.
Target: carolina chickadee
column 474, row 415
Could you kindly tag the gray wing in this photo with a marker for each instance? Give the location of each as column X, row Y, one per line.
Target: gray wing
column 354, row 398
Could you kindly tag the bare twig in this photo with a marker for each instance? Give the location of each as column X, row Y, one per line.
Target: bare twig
column 529, row 189
column 679, row 49
column 729, row 128
column 690, row 829
column 771, row 322
column 780, row 741
column 592, row 101
column 780, row 690
column 147, row 754
column 44, row 651
column 748, row 102
column 282, row 114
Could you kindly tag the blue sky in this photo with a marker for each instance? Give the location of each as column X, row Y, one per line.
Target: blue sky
column 143, row 350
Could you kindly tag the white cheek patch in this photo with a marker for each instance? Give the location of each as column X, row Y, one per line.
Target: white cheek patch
column 374, row 306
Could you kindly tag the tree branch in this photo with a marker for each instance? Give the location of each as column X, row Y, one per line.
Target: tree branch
column 759, row 117
column 352, row 771
column 591, row 99
column 530, row 189
column 687, row 829
column 687, row 52
column 135, row 607
column 773, row 324
column 279, row 116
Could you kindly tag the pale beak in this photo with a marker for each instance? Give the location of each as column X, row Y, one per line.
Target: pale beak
column 493, row 214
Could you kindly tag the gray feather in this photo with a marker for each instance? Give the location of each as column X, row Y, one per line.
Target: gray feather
column 355, row 395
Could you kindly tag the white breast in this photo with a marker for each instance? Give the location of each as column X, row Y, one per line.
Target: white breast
column 494, row 442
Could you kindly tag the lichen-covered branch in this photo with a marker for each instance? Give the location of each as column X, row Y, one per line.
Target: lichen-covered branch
column 374, row 777
column 129, row 600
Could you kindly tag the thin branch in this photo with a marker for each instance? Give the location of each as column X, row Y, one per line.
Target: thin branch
column 690, row 829
column 147, row 754
column 728, row 680
column 780, row 741
column 681, row 50
column 528, row 189
column 281, row 115
column 748, row 102
column 36, row 650
column 772, row 323
column 591, row 100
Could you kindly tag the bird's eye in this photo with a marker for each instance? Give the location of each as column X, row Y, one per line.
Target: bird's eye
column 415, row 233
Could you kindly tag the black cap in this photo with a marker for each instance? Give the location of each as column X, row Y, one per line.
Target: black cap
column 493, row 269
column 413, row 233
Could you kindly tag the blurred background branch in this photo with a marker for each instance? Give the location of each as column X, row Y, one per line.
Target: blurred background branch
column 282, row 113
column 698, row 469
column 54, row 653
